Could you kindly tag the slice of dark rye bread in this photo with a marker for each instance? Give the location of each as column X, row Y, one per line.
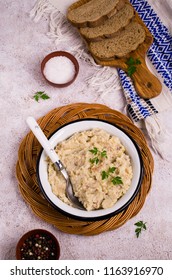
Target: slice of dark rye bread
column 123, row 43
column 110, row 26
column 92, row 13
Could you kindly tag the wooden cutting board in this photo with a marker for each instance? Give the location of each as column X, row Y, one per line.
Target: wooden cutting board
column 146, row 84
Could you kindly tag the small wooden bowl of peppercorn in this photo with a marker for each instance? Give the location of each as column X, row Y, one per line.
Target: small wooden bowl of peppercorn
column 38, row 244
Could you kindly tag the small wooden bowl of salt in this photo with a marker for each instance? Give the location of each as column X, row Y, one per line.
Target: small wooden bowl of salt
column 60, row 68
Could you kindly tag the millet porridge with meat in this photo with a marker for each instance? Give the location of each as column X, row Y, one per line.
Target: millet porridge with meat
column 99, row 168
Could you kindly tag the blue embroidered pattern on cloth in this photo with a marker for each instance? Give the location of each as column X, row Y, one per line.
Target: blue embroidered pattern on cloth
column 137, row 107
column 160, row 54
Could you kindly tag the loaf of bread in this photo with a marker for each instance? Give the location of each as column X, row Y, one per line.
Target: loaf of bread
column 110, row 26
column 123, row 43
column 93, row 12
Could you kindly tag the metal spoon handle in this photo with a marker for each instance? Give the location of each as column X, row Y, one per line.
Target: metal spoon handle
column 34, row 126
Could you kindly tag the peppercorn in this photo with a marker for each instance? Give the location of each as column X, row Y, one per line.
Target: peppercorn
column 38, row 247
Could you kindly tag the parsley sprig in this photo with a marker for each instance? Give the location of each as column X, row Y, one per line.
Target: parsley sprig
column 98, row 155
column 115, row 180
column 140, row 227
column 105, row 174
column 40, row 95
column 132, row 65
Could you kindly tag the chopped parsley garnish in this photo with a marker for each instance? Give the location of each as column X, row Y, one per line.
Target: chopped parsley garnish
column 40, row 95
column 99, row 155
column 115, row 180
column 132, row 65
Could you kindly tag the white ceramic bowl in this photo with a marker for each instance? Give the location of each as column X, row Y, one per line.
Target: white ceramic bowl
column 65, row 132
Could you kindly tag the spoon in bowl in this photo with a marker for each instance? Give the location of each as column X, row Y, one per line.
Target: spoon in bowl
column 55, row 159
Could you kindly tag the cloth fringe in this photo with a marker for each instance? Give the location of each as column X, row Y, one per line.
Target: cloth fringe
column 108, row 77
column 159, row 136
column 60, row 29
column 41, row 8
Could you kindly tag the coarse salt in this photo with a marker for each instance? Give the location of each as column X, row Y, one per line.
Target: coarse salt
column 59, row 70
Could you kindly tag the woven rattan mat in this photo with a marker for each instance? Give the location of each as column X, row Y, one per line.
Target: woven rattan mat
column 26, row 168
